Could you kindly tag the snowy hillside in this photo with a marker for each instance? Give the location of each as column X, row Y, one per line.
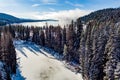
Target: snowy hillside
column 36, row 64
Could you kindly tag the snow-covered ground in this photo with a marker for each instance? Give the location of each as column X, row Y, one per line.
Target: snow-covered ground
column 36, row 64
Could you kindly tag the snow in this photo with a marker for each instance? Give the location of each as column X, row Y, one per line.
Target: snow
column 2, row 71
column 37, row 64
column 84, row 27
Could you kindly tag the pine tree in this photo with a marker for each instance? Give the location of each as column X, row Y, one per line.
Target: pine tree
column 27, row 32
column 78, row 35
column 70, row 37
column 46, row 36
column 42, row 38
column 64, row 36
column 58, row 40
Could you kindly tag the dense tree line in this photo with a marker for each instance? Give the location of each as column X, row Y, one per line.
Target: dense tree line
column 2, row 23
column 99, row 45
column 99, row 51
column 54, row 37
column 7, row 52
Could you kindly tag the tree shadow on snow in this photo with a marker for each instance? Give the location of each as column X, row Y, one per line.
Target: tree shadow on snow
column 21, row 50
column 52, row 52
column 34, row 48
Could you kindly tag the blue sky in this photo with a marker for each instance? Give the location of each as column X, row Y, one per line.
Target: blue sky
column 58, row 9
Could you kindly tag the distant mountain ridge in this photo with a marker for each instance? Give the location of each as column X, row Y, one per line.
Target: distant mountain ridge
column 103, row 15
column 8, row 19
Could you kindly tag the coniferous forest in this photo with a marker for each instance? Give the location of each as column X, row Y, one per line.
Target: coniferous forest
column 92, row 42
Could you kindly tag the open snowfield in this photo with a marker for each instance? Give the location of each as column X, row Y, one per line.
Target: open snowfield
column 36, row 64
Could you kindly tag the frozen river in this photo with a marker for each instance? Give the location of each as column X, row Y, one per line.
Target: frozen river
column 36, row 64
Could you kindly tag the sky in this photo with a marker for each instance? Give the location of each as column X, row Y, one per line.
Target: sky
column 56, row 9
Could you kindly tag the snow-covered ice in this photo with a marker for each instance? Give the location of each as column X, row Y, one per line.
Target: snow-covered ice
column 36, row 64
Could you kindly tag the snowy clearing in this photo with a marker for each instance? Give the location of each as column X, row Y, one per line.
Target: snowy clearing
column 36, row 64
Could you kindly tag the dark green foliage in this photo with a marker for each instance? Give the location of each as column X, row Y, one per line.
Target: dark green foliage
column 42, row 38
column 99, row 45
column 7, row 51
column 70, row 37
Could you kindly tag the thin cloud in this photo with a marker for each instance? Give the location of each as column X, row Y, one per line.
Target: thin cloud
column 72, row 4
column 49, row 1
column 51, row 9
column 64, row 16
column 35, row 5
column 78, row 5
